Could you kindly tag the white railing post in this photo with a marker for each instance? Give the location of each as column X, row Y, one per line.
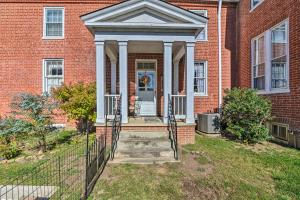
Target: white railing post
column 179, row 103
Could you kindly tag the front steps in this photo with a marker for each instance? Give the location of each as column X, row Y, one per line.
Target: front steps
column 141, row 147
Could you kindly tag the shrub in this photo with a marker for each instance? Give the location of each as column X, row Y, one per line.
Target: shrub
column 32, row 114
column 78, row 101
column 10, row 150
column 244, row 114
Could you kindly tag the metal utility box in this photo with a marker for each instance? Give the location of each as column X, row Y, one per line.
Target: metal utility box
column 208, row 123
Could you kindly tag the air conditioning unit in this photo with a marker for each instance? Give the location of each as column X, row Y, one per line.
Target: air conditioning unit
column 208, row 123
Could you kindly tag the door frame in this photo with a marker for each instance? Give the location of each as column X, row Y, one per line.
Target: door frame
column 136, row 79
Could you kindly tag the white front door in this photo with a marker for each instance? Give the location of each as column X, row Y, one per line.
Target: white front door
column 146, row 87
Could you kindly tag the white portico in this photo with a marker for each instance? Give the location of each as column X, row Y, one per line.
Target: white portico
column 144, row 26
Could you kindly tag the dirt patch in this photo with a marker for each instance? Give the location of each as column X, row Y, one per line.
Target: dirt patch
column 194, row 192
column 197, row 165
column 261, row 147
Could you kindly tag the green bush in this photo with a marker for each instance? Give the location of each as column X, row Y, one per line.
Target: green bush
column 78, row 101
column 244, row 114
column 10, row 150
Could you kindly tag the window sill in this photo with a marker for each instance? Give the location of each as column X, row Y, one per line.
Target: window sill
column 200, row 95
column 202, row 40
column 278, row 91
column 53, row 38
column 254, row 7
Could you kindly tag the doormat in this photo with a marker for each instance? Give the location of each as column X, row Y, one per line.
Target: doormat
column 152, row 119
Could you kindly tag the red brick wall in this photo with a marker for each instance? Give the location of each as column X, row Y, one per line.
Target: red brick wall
column 286, row 106
column 22, row 48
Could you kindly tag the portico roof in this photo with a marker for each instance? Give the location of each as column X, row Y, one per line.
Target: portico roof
column 144, row 15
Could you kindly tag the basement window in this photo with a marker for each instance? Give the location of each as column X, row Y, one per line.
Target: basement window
column 280, row 131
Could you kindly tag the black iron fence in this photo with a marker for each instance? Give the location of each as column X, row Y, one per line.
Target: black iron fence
column 116, row 128
column 172, row 127
column 70, row 175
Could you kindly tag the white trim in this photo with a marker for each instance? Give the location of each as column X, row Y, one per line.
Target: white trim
column 206, row 25
column 136, row 78
column 44, row 84
column 144, row 36
column 253, row 7
column 131, row 5
column 45, row 37
column 199, row 94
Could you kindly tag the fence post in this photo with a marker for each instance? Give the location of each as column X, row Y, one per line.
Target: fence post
column 86, row 160
column 59, row 177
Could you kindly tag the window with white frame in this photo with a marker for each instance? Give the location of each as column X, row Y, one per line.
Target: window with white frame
column 53, row 72
column 258, row 63
column 270, row 67
column 279, row 56
column 203, row 34
column 200, row 78
column 255, row 3
column 53, row 23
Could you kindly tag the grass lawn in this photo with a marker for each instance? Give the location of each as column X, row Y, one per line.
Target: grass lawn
column 57, row 143
column 213, row 168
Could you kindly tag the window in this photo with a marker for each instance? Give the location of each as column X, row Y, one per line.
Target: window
column 259, row 63
column 200, row 78
column 255, row 3
column 53, row 74
column 280, row 131
column 279, row 56
column 270, row 67
column 203, row 34
column 53, row 23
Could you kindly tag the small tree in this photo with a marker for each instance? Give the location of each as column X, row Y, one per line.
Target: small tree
column 32, row 114
column 78, row 101
column 244, row 115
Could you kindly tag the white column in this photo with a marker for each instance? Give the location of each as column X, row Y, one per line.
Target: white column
column 123, row 62
column 190, row 51
column 176, row 77
column 100, row 81
column 167, row 77
column 113, row 76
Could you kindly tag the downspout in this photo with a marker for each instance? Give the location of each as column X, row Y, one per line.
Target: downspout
column 220, row 54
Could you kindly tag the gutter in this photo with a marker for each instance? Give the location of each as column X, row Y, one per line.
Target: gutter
column 220, row 54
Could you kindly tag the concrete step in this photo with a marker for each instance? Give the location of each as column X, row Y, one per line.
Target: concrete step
column 144, row 147
column 159, row 160
column 144, row 134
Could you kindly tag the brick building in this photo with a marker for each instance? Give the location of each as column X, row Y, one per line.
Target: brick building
column 146, row 50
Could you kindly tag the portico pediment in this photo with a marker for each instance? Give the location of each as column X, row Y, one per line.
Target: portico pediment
column 144, row 14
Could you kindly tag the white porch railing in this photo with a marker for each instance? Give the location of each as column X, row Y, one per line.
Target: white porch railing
column 111, row 104
column 179, row 106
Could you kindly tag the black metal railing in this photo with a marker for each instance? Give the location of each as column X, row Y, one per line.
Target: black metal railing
column 172, row 127
column 116, row 128
column 69, row 175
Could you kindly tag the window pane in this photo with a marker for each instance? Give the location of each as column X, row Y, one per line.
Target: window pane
column 279, row 41
column 255, row 2
column 200, row 78
column 259, row 83
column 54, row 68
column 279, row 59
column 261, row 50
column 279, row 75
column 54, row 29
column 54, row 16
